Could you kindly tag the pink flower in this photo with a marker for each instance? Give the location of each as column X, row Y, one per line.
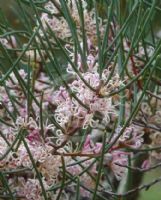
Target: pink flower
column 145, row 164
column 132, row 137
column 90, row 147
column 34, row 136
column 114, row 159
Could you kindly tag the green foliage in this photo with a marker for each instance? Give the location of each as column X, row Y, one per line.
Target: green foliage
column 127, row 23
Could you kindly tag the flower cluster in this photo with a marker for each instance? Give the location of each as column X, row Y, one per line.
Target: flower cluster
column 59, row 25
column 87, row 104
column 56, row 138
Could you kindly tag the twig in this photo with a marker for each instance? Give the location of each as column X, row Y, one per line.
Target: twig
column 154, row 95
column 140, row 169
column 141, row 187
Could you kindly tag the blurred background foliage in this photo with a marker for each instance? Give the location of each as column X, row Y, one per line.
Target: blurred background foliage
column 10, row 9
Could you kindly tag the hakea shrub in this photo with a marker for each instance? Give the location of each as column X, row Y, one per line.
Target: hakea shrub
column 69, row 141
column 97, row 109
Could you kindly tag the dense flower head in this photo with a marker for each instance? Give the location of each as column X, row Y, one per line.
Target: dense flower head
column 70, row 113
column 48, row 141
column 131, row 137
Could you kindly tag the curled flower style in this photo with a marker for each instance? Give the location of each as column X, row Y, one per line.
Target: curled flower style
column 29, row 189
column 61, row 95
column 69, row 113
column 117, row 159
column 132, row 137
column 69, row 117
